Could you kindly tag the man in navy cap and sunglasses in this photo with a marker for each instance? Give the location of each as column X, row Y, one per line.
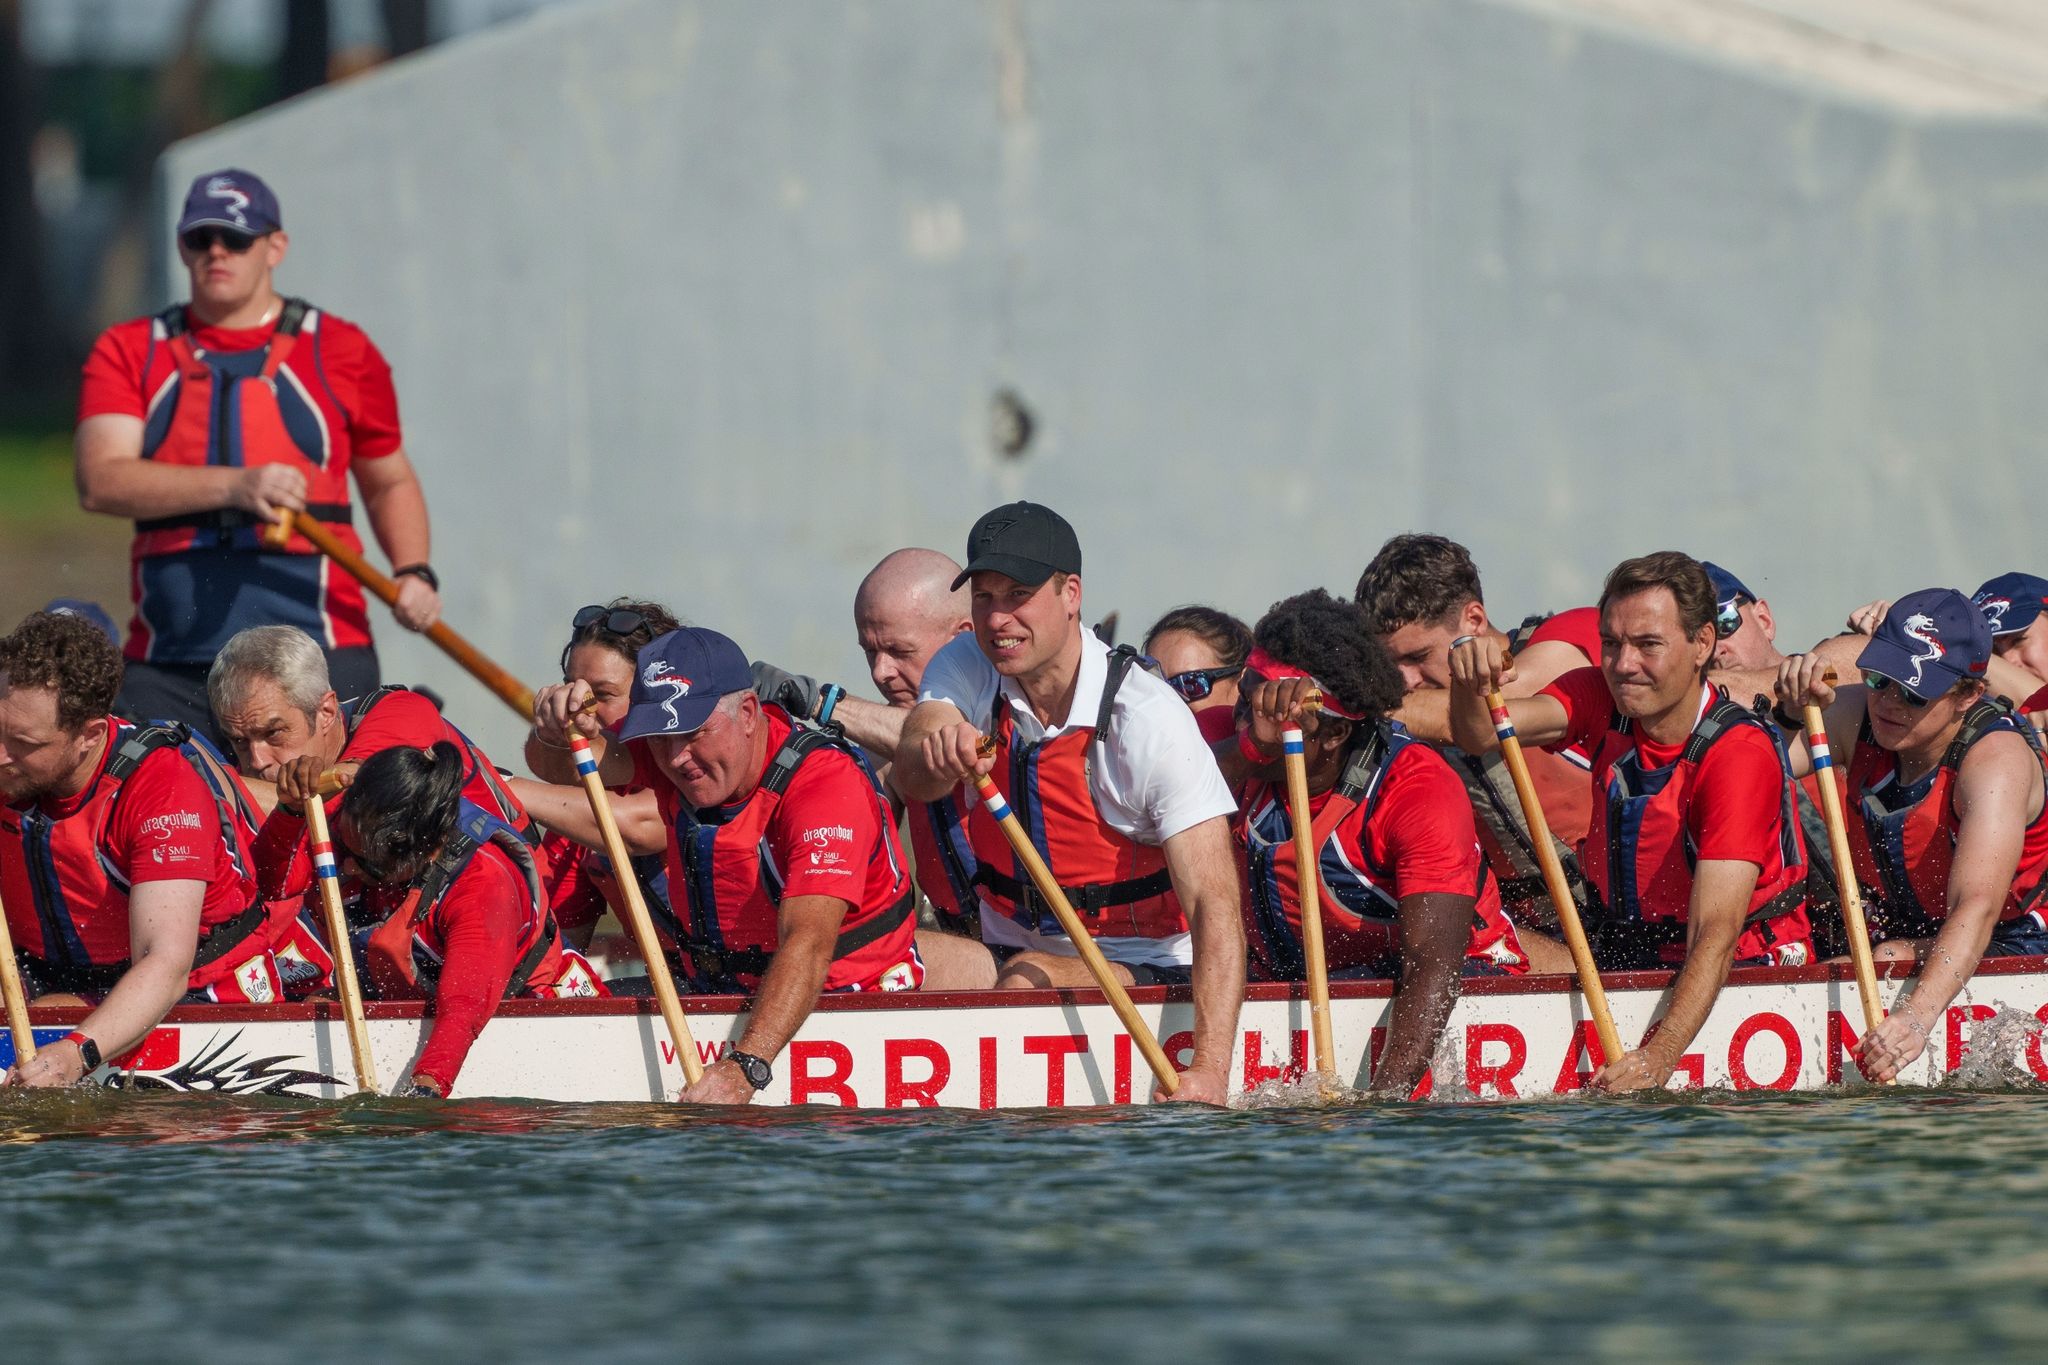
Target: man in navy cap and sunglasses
column 1106, row 768
column 1948, row 826
column 202, row 423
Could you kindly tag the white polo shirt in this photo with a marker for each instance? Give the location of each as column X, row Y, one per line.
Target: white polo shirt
column 1156, row 776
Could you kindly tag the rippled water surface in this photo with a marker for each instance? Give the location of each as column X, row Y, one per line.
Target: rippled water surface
column 1903, row 1225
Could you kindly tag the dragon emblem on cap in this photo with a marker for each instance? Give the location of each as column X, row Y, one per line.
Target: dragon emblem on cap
column 1919, row 628
column 660, row 673
column 224, row 189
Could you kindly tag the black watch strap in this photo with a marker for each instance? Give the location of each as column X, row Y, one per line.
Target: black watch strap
column 424, row 572
column 757, row 1072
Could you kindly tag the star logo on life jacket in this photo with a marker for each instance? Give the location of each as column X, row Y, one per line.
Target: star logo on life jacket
column 1994, row 609
column 232, row 199
column 660, row 673
column 1920, row 629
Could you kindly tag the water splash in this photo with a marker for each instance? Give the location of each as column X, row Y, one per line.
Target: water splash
column 1997, row 1056
column 1315, row 1090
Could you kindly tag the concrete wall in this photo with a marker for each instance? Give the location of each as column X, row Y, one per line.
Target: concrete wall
column 708, row 301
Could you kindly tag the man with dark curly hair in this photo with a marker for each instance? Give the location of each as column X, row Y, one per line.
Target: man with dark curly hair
column 1404, row 887
column 124, row 854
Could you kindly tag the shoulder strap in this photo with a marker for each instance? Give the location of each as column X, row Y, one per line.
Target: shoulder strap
column 293, row 317
column 363, row 705
column 1721, row 716
column 172, row 320
column 1364, row 764
column 1121, row 660
column 141, row 742
column 1518, row 638
column 803, row 741
column 1979, row 721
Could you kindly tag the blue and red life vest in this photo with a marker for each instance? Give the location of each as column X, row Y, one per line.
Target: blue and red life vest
column 404, row 951
column 1905, row 842
column 943, row 855
column 1118, row 886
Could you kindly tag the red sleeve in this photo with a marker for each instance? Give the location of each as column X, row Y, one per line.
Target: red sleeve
column 1588, row 707
column 1216, row 723
column 112, row 381
column 573, row 897
column 373, row 415
column 2035, row 704
column 481, row 918
column 165, row 827
column 1579, row 628
column 1424, row 829
column 400, row 718
column 825, row 832
column 284, row 863
column 1736, row 799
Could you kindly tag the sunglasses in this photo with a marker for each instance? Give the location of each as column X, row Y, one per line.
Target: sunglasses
column 1198, row 683
column 1728, row 619
column 199, row 241
column 1880, row 686
column 617, row 622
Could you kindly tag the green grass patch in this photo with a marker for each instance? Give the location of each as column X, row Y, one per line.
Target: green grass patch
column 35, row 478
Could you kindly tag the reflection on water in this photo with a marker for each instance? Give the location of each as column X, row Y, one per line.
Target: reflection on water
column 1861, row 1223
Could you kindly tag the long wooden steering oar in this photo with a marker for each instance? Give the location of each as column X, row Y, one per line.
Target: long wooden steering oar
column 329, row 877
column 507, row 688
column 16, row 996
column 1553, row 878
column 1308, row 876
column 636, row 907
column 1098, row 965
column 1845, row 864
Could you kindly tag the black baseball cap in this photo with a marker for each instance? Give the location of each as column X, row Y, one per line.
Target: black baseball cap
column 1024, row 541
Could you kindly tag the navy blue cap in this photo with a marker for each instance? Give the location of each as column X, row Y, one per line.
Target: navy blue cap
column 2011, row 601
column 230, row 199
column 90, row 612
column 1024, row 541
column 678, row 679
column 1727, row 587
column 1930, row 641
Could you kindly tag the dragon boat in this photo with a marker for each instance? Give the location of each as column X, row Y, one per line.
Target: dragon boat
column 1773, row 1028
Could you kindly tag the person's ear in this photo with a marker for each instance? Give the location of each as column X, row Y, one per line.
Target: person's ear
column 1472, row 620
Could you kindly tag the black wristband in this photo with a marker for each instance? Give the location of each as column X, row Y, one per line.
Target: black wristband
column 424, row 572
column 1797, row 727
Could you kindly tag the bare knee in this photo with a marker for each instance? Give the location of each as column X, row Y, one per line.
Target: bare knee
column 1896, row 950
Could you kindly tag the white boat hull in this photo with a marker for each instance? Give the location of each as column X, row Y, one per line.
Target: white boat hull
column 1772, row 1028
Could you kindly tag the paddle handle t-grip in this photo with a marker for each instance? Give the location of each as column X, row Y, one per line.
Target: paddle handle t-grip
column 642, row 923
column 1554, row 879
column 1098, row 965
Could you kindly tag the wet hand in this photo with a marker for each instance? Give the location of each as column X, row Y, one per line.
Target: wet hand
column 1479, row 664
column 1208, row 1084
column 953, row 753
column 559, row 707
column 1641, row 1069
column 1805, row 679
column 265, row 489
column 1891, row 1047
column 422, row 1087
column 722, row 1083
column 1867, row 618
column 55, row 1066
column 418, row 605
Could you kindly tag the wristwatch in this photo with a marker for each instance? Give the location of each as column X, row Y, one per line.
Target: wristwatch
column 88, row 1050
column 424, row 572
column 753, row 1068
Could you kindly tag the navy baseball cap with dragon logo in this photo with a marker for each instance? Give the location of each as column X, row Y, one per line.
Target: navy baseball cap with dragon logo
column 1929, row 641
column 2011, row 601
column 678, row 680
column 1024, row 541
column 230, row 199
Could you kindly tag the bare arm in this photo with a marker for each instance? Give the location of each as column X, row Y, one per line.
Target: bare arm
column 1434, row 931
column 396, row 506
column 873, row 726
column 1201, row 862
column 115, row 480
column 1721, row 889
column 1478, row 666
column 1802, row 680
column 936, row 752
column 566, row 811
column 556, row 709
column 807, row 930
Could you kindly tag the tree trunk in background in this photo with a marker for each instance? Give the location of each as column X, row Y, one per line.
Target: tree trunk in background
column 302, row 61
column 31, row 351
column 405, row 26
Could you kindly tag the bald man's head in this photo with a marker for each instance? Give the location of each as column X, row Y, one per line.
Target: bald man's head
column 905, row 610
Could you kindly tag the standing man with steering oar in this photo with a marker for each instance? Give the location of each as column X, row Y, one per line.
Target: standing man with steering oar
column 1694, row 855
column 202, row 422
column 1105, row 767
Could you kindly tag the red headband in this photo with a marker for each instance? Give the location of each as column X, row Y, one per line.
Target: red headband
column 1271, row 667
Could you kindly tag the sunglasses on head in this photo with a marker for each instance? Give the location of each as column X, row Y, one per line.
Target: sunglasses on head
column 200, row 240
column 1198, row 683
column 618, row 622
column 1880, row 686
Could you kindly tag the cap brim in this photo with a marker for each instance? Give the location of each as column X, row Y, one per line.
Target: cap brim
column 679, row 717
column 228, row 223
column 2014, row 622
column 1881, row 656
column 1029, row 572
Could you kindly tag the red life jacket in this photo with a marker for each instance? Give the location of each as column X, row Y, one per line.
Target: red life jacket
column 238, row 409
column 728, row 873
column 59, row 871
column 1361, row 915
column 1905, row 842
column 1639, row 857
column 482, row 785
column 943, row 856
column 1118, row 886
column 404, row 951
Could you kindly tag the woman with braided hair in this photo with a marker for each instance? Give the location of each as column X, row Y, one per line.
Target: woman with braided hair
column 1405, row 890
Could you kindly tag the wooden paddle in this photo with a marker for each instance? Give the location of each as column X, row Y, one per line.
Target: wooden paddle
column 1845, row 863
column 507, row 688
column 1309, row 878
column 329, row 877
column 1553, row 878
column 16, row 998
column 636, row 908
column 1098, row 965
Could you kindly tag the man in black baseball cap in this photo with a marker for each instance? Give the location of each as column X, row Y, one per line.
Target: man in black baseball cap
column 1125, row 801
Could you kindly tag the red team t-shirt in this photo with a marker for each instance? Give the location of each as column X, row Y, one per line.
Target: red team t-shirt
column 1734, row 809
column 1579, row 627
